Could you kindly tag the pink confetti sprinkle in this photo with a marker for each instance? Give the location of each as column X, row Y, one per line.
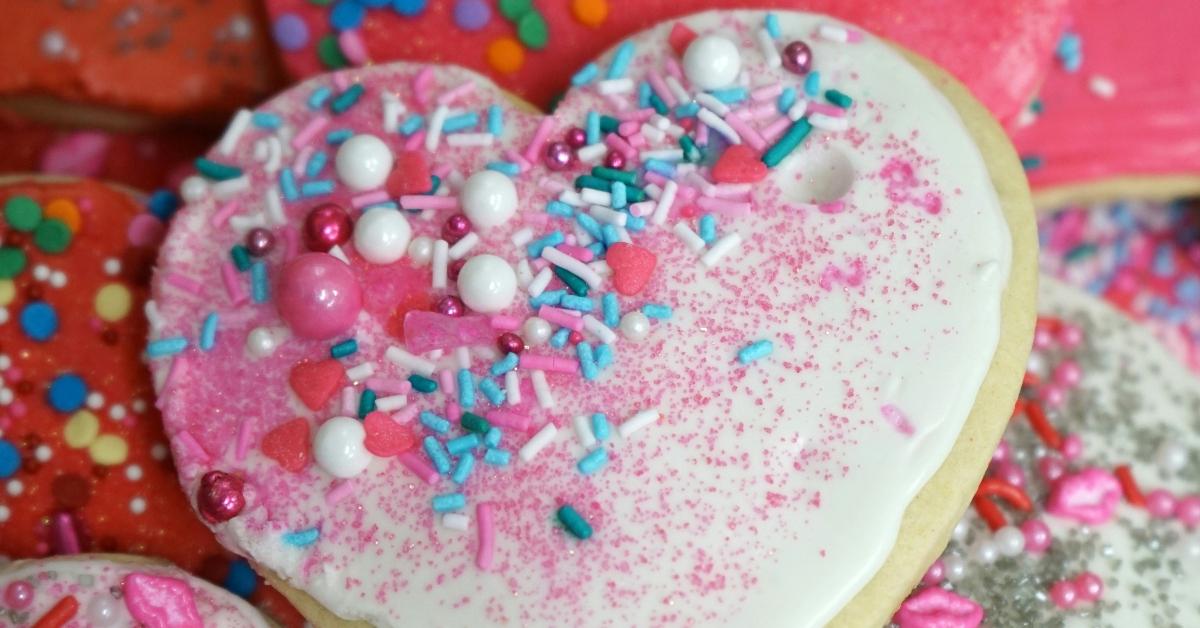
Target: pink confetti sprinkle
column 370, row 198
column 896, row 417
column 509, row 419
column 192, row 446
column 243, row 439
column 453, row 411
column 660, row 88
column 450, row 96
column 185, row 283
column 388, row 385
column 747, row 133
column 233, row 285
column 544, row 129
column 504, row 322
column 66, row 539
column 221, row 216
column 485, row 555
column 310, row 131
column 724, row 206
column 339, row 491
column 558, row 316
column 415, row 141
column 417, row 464
column 428, row 201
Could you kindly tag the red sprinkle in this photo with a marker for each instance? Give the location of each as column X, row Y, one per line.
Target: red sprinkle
column 989, row 512
column 1129, row 486
column 58, row 616
column 1015, row 497
column 288, row 444
column 680, row 37
column 1040, row 425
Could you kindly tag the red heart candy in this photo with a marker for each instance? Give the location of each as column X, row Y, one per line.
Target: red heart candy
column 680, row 37
column 288, row 444
column 410, row 175
column 739, row 164
column 315, row 382
column 385, row 437
column 632, row 267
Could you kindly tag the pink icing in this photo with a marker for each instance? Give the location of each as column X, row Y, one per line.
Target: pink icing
column 161, row 602
column 1089, row 496
column 935, row 607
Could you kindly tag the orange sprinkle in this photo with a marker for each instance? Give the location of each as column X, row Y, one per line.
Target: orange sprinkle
column 1129, row 486
column 590, row 12
column 506, row 55
column 60, row 614
column 65, row 210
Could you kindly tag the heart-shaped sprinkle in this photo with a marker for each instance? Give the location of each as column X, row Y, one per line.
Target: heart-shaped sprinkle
column 632, row 267
column 160, row 602
column 739, row 164
column 315, row 382
column 680, row 37
column 410, row 175
column 385, row 437
column 288, row 444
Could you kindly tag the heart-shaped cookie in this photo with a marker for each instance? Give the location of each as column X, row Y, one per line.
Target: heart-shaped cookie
column 698, row 451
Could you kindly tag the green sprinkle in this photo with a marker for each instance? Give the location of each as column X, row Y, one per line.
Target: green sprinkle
column 609, row 124
column 12, row 261
column 595, row 183
column 1081, row 252
column 788, row 143
column 52, row 236
column 22, row 213
column 217, row 171
column 574, row 522
column 422, row 384
column 577, row 285
column 532, row 30
column 660, row 107
column 634, row 194
column 838, row 98
column 628, row 177
column 330, row 52
column 241, row 257
column 691, row 152
column 474, row 423
column 366, row 403
column 514, row 9
column 343, row 348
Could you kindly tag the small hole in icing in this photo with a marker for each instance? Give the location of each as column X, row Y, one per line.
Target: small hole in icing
column 821, row 174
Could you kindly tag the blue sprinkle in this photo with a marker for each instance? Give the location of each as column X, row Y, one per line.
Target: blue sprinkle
column 287, row 184
column 259, row 288
column 346, row 14
column 504, row 364
column 787, row 98
column 618, row 195
column 318, row 187
column 434, row 422
column 412, row 124
column 67, row 392
column 302, row 538
column 593, row 462
column 409, row 8
column 462, row 444
column 383, row 205
column 585, row 75
column 731, row 95
column 1187, row 290
column 208, row 331
column 604, row 356
column 266, row 120
column 241, row 579
column 560, row 337
column 506, row 168
column 812, row 84
column 492, row 438
column 337, row 136
column 644, row 92
column 1164, row 263
column 315, row 164
column 610, row 235
column 492, row 390
column 1073, row 63
column 497, row 457
column 466, row 389
column 772, row 24
column 560, row 209
column 708, row 228
column 687, row 110
column 10, row 459
column 548, row 297
column 635, row 223
column 449, row 502
column 39, row 321
column 462, row 470
column 593, row 127
column 590, row 225
column 1031, row 162
column 597, row 249
column 621, row 60
column 437, row 454
column 612, row 309
column 755, row 351
column 166, row 346
column 347, row 99
column 587, row 361
column 573, row 302
column 163, row 203
column 495, row 120
column 317, row 99
column 600, row 427
column 460, row 122
column 657, row 310
column 535, row 248
column 665, row 168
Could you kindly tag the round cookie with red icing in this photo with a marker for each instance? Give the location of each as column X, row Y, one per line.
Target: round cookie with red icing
column 108, row 64
column 1089, row 512
column 999, row 48
column 98, row 590
column 428, row 358
column 1131, row 72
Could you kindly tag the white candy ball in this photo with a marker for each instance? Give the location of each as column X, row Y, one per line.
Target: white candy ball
column 103, row 611
column 985, row 552
column 487, row 284
column 712, row 62
column 420, row 250
column 261, row 342
column 381, row 235
column 1037, row 364
column 1172, row 456
column 536, row 331
column 339, row 447
column 1189, row 549
column 1009, row 541
column 961, row 530
column 363, row 162
column 488, row 198
column 635, row 326
column 954, row 567
column 193, row 189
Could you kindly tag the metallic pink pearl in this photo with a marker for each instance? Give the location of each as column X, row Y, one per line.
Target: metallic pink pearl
column 456, row 227
column 614, row 160
column 1064, row 594
column 935, row 574
column 1187, row 511
column 558, row 156
column 1070, row 335
column 576, row 137
column 1051, row 467
column 797, row 57
column 1037, row 536
column 450, row 306
column 1089, row 586
column 1072, row 447
column 220, row 497
column 454, row 268
column 1053, row 395
column 327, row 226
column 259, row 241
column 1160, row 503
column 1009, row 472
column 1002, row 452
column 1068, row 373
column 18, row 595
column 1042, row 338
column 509, row 342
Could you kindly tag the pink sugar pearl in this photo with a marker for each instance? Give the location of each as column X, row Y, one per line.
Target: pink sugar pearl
column 1009, row 472
column 1067, row 374
column 1160, row 503
column 1064, row 594
column 1003, row 450
column 1070, row 335
column 1042, row 338
column 18, row 595
column 1037, row 536
column 1187, row 510
column 1053, row 395
column 318, row 296
column 1089, row 586
column 1072, row 447
column 935, row 574
column 1051, row 467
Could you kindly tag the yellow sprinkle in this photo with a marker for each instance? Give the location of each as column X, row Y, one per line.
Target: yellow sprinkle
column 8, row 290
column 65, row 210
column 113, row 302
column 81, row 429
column 109, row 449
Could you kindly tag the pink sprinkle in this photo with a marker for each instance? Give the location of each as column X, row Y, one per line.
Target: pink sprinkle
column 565, row 365
column 617, row 143
column 243, row 439
column 660, row 88
column 505, row 322
column 732, row 190
column 339, row 491
column 702, row 135
column 637, row 140
column 415, row 141
column 531, row 360
column 487, row 543
column 566, row 318
column 291, row 242
column 441, row 171
column 775, row 130
column 428, row 201
column 310, row 130
column 747, row 133
column 421, row 84
column 406, row 414
column 898, row 419
column 544, row 129
column 300, row 166
column 628, row 128
column 370, row 198
column 732, row 208
column 655, row 178
column 835, row 207
column 853, row 36
column 673, row 69
column 221, row 216
column 446, row 379
column 185, row 283
column 349, row 403
column 509, row 420
column 767, row 92
column 192, row 446
column 179, row 368
column 642, row 208
column 389, row 385
column 233, row 287
column 341, row 80
column 66, row 539
column 552, row 186
column 635, row 115
column 578, row 252
column 518, row 159
column 826, row 109
column 763, row 110
column 352, row 45
column 448, row 97
column 453, row 411
column 419, row 467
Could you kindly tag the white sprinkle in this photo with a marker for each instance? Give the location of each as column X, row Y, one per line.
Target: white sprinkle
column 653, row 133
column 601, row 267
column 720, row 249
column 456, row 521
column 770, row 52
column 391, row 403
column 433, row 136
column 441, row 251
column 693, row 242
column 834, row 33
column 360, row 372
column 708, row 101
column 598, row 329
column 572, row 198
column 828, row 123
column 541, row 389
column 798, row 110
column 1102, row 86
column 568, row 263
column 615, row 86
column 676, row 88
column 463, row 246
column 470, row 139
column 337, row 252
column 720, row 126
column 642, row 209
column 654, row 192
column 665, row 201
column 595, row 197
column 233, row 132
column 152, row 316
column 583, row 430
column 637, row 422
column 462, row 357
column 582, row 238
column 664, row 154
column 698, row 180
column 534, row 445
column 392, row 110
column 512, row 387
column 274, row 155
column 222, row 190
column 524, row 273
column 522, row 236
column 539, row 283
column 406, row 360
column 275, row 206
column 608, row 215
column 592, row 152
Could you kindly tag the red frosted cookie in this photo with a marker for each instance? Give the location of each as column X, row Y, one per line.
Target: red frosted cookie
column 161, row 58
column 999, row 48
column 1117, row 115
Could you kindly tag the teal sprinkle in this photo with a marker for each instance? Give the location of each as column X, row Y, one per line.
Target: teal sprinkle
column 610, row 235
column 838, row 98
column 578, row 303
column 266, row 120
column 260, row 290
column 241, row 257
column 593, row 182
column 589, row 224
column 366, row 403
column 635, row 223
column 466, row 389
column 166, row 346
column 217, row 171
column 462, row 470
column 497, row 457
column 208, row 331
column 495, row 120
column 787, row 98
column 535, row 248
column 463, row 444
column 506, row 168
column 1083, row 251
column 474, row 423
column 708, row 228
column 577, row 285
column 449, row 502
column 347, row 99
column 619, row 195
column 422, row 384
column 504, row 365
column 755, row 351
column 315, row 164
column 319, row 187
column 302, row 538
column 731, row 95
column 812, row 84
column 611, row 308
column 460, row 122
column 628, row 177
column 287, row 184
column 559, row 339
column 337, row 136
column 412, row 124
column 1031, row 162
column 574, row 522
column 593, row 127
column 492, row 438
column 492, row 390
column 657, row 310
column 344, row 348
column 317, row 99
column 434, row 422
column 659, row 106
column 621, row 60
column 772, row 24
column 587, row 361
column 548, row 297
column 604, row 356
column 687, row 110
column 437, row 454
column 593, row 462
column 585, row 75
column 600, row 426
column 560, row 209
column 788, row 143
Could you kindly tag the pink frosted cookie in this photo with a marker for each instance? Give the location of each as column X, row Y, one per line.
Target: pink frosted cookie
column 97, row 590
column 432, row 359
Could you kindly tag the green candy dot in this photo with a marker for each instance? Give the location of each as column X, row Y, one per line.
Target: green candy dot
column 12, row 262
column 514, row 9
column 22, row 213
column 321, row 3
column 330, row 53
column 532, row 31
column 52, row 236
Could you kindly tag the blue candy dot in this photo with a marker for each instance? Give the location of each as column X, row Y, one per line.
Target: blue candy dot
column 39, row 321
column 10, row 459
column 374, row 4
column 471, row 15
column 67, row 392
column 409, row 8
column 241, row 579
column 291, row 33
column 347, row 14
column 163, row 203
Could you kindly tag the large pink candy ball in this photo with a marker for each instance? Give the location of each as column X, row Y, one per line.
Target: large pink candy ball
column 318, row 296
column 220, row 497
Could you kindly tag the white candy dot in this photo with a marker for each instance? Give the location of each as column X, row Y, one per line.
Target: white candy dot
column 137, row 505
column 712, row 62
column 5, row 513
column 138, row 406
column 261, row 342
column 1009, row 541
column 488, row 198
column 420, row 250
column 58, row 279
column 116, row 412
column 536, row 331
column 53, row 43
column 954, row 567
column 193, row 189
column 363, row 162
column 6, row 396
column 985, row 552
column 487, row 283
column 381, row 235
column 5, row 361
column 1172, row 456
column 112, row 266
column 3, row 315
column 41, row 272
column 158, row 451
column 95, row 400
column 43, row 453
column 240, row 27
column 133, row 472
column 338, row 447
column 635, row 326
column 15, row 487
